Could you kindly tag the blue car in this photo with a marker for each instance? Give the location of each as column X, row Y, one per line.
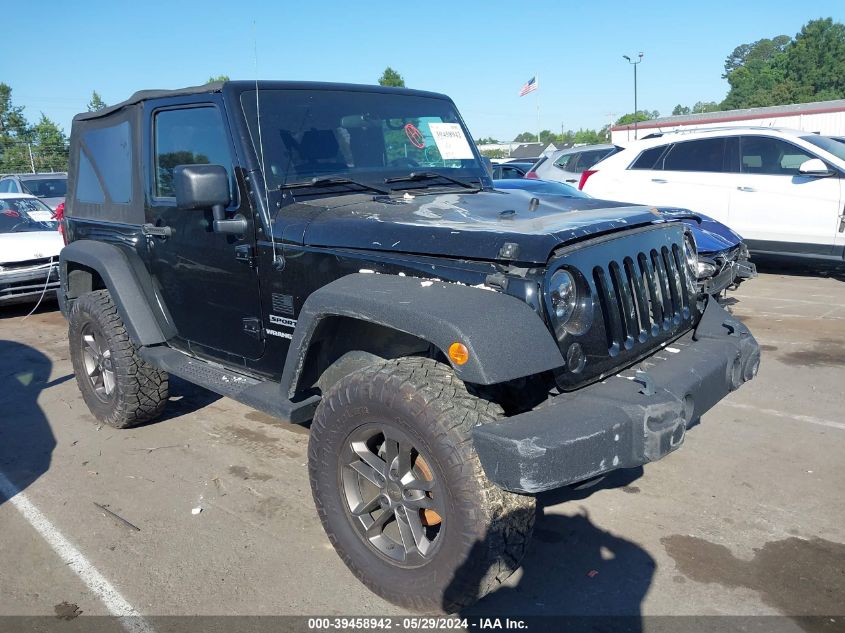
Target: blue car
column 723, row 260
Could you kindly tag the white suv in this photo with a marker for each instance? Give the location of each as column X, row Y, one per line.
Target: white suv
column 782, row 190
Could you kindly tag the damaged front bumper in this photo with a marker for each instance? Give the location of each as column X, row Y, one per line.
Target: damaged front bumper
column 629, row 419
column 28, row 283
column 731, row 270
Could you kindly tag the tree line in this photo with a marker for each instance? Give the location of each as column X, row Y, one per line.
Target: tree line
column 771, row 71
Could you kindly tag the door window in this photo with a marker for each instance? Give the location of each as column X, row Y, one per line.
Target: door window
column 702, row 155
column 189, row 136
column 766, row 155
column 589, row 158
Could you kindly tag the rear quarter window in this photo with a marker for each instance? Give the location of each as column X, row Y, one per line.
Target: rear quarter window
column 105, row 165
column 648, row 158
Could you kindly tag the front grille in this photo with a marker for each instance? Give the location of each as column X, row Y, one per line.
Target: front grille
column 638, row 294
column 642, row 296
column 29, row 263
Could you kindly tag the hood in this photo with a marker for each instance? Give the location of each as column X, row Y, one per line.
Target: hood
column 20, row 247
column 712, row 236
column 467, row 225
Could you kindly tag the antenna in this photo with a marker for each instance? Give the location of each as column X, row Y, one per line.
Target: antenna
column 261, row 149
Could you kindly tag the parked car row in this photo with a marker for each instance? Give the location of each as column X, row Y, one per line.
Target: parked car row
column 723, row 258
column 50, row 188
column 29, row 249
column 782, row 190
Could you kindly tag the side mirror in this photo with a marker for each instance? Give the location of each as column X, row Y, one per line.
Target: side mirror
column 201, row 186
column 814, row 167
column 207, row 187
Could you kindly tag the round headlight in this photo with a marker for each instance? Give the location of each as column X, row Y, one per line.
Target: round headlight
column 564, row 295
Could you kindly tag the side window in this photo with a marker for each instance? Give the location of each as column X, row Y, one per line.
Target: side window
column 567, row 161
column 188, row 136
column 772, row 156
column 703, row 155
column 588, row 159
column 109, row 149
column 648, row 159
column 4, row 186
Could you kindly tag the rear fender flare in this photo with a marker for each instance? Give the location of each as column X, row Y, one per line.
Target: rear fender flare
column 126, row 279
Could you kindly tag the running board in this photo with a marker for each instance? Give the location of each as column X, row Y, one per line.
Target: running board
column 266, row 396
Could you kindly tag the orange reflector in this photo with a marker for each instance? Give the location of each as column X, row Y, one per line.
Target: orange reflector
column 459, row 353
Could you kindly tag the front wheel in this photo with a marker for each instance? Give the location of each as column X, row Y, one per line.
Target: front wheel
column 401, row 492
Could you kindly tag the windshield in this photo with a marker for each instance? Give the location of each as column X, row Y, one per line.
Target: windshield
column 828, row 144
column 18, row 215
column 365, row 136
column 46, row 187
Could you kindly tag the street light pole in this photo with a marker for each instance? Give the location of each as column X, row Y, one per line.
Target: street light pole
column 635, row 64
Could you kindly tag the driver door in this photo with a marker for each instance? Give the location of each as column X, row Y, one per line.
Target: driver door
column 206, row 280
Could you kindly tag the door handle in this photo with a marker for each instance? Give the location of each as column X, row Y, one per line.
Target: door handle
column 749, row 189
column 156, row 231
column 571, row 180
column 659, row 181
column 842, row 223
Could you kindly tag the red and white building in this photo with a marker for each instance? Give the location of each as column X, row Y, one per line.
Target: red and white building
column 824, row 117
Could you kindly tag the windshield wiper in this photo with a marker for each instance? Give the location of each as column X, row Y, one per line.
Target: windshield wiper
column 333, row 180
column 416, row 176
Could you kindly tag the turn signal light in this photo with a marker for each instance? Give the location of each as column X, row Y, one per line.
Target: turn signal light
column 459, row 353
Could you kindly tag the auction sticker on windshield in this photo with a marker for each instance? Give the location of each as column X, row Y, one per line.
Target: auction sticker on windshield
column 450, row 141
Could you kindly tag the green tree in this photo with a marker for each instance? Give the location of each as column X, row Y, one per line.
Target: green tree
column 814, row 64
column 810, row 67
column 486, row 141
column 639, row 117
column 526, row 137
column 212, row 79
column 764, row 50
column 96, row 104
column 49, row 146
column 701, row 107
column 679, row 109
column 14, row 134
column 391, row 78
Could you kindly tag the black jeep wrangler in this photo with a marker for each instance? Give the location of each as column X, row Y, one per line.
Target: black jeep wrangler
column 336, row 254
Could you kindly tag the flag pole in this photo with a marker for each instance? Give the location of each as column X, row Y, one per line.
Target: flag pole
column 537, row 90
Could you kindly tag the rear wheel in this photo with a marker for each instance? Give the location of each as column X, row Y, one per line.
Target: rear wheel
column 400, row 490
column 120, row 388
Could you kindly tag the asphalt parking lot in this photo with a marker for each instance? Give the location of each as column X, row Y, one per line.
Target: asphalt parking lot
column 746, row 519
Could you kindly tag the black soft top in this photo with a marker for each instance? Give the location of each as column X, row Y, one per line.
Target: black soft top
column 239, row 86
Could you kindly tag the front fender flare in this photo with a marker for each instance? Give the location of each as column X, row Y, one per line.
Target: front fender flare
column 506, row 339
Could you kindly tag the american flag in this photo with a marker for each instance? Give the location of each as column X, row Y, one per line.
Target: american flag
column 530, row 86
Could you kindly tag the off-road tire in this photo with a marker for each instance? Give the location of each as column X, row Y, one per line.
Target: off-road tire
column 487, row 529
column 140, row 390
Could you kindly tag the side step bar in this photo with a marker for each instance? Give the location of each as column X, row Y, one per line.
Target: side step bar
column 266, row 396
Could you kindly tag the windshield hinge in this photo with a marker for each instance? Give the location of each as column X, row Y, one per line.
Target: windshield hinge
column 246, row 254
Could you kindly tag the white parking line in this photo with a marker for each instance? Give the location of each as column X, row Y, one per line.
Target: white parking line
column 116, row 604
column 791, row 416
